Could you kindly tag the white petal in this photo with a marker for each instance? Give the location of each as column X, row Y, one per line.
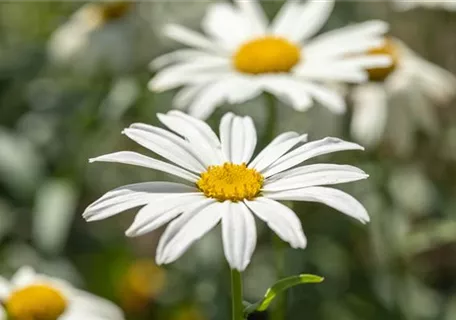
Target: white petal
column 250, row 137
column 23, row 277
column 204, row 129
column 333, row 198
column 208, row 99
column 178, row 56
column 184, row 97
column 327, row 97
column 86, row 305
column 190, row 38
column 238, row 138
column 279, row 139
column 310, row 150
column 313, row 15
column 255, row 15
column 183, row 231
column 137, row 159
column 329, row 71
column 192, row 72
column 314, row 175
column 281, row 219
column 196, row 133
column 239, row 234
column 284, row 22
column 160, row 212
column 5, row 288
column 274, row 152
column 370, row 110
column 165, row 144
column 131, row 196
column 288, row 89
column 226, row 24
column 343, row 42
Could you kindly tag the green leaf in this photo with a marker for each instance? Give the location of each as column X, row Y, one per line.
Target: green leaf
column 280, row 286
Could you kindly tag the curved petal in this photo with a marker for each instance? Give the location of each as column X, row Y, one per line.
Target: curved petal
column 165, row 144
column 314, row 14
column 309, row 150
column 85, row 304
column 190, row 72
column 23, row 277
column 281, row 219
column 137, row 159
column 238, row 138
column 131, row 196
column 239, row 234
column 209, row 99
column 178, row 56
column 160, row 212
column 327, row 97
column 226, row 24
column 314, row 175
column 333, row 198
column 185, row 96
column 279, row 139
column 370, row 113
column 183, row 231
column 191, row 38
column 254, row 14
column 273, row 152
column 203, row 143
column 353, row 39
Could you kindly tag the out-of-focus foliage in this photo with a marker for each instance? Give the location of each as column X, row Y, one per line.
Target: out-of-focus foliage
column 62, row 102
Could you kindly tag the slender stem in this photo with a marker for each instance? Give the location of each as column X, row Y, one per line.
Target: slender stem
column 236, row 295
column 271, row 122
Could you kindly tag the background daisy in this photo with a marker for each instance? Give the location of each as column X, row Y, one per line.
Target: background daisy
column 30, row 295
column 399, row 100
column 242, row 55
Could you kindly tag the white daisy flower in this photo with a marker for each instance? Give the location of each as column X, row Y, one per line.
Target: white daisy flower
column 99, row 37
column 242, row 55
column 404, row 5
column 30, row 295
column 398, row 100
column 224, row 185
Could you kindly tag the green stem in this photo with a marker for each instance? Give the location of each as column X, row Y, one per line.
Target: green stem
column 236, row 295
column 271, row 122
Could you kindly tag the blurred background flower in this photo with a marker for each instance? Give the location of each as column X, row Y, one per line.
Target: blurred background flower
column 57, row 113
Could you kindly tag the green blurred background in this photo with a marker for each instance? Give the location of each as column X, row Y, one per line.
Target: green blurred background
column 68, row 88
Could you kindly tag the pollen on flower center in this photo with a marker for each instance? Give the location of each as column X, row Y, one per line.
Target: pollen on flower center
column 230, row 181
column 36, row 302
column 389, row 48
column 266, row 55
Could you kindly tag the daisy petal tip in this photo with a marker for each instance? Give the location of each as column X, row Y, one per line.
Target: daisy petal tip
column 92, row 160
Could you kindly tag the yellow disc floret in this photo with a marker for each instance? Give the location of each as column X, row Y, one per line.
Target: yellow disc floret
column 266, row 55
column 390, row 49
column 36, row 302
column 234, row 182
column 102, row 13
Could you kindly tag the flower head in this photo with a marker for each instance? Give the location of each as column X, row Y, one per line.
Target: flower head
column 223, row 184
column 32, row 296
column 242, row 55
column 398, row 100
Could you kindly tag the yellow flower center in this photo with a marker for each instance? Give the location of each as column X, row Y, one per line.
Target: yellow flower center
column 36, row 302
column 102, row 13
column 266, row 55
column 390, row 49
column 230, row 181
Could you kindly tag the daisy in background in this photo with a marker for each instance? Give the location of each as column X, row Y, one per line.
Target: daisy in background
column 33, row 296
column 404, row 5
column 101, row 37
column 398, row 100
column 223, row 184
column 242, row 55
